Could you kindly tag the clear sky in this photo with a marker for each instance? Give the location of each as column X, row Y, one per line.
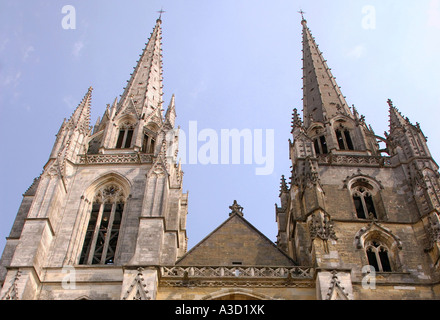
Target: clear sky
column 231, row 64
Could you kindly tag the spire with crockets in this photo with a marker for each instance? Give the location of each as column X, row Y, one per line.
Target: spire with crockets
column 327, row 118
column 322, row 98
column 143, row 93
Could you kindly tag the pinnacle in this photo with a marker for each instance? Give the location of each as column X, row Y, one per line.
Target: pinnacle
column 396, row 118
column 283, row 186
column 81, row 115
column 296, row 119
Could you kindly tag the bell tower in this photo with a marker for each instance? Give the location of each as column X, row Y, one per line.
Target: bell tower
column 108, row 209
column 348, row 207
column 334, row 127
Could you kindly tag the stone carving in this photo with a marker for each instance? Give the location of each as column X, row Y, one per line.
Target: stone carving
column 137, row 289
column 374, row 226
column 236, row 271
column 115, row 158
column 12, row 293
column 433, row 231
column 321, row 226
column 234, row 276
column 236, row 208
column 110, row 193
column 336, row 291
column 369, row 161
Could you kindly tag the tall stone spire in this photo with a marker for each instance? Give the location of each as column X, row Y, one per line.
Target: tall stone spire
column 322, row 98
column 143, row 93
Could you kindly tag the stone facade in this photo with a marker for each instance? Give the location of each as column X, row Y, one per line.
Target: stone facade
column 107, row 217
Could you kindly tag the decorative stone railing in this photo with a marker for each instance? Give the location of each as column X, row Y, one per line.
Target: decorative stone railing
column 237, row 271
column 355, row 160
column 115, row 158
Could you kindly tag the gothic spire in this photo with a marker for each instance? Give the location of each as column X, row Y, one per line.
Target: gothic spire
column 81, row 116
column 322, row 98
column 396, row 118
column 144, row 89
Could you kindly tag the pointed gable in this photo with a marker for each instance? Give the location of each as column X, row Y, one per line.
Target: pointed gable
column 236, row 241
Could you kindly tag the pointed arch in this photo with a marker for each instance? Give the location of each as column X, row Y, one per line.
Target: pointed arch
column 149, row 138
column 381, row 247
column 101, row 219
column 126, row 126
column 362, row 177
column 365, row 192
column 379, row 232
column 107, row 178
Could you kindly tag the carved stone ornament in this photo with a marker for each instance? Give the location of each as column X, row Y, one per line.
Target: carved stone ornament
column 321, row 226
column 376, row 227
column 236, row 208
column 336, row 291
column 110, row 193
column 12, row 293
column 138, row 288
column 433, row 231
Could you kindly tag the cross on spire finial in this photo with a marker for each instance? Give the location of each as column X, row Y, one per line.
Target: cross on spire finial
column 301, row 12
column 160, row 13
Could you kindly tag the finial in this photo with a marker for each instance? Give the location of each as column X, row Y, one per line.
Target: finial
column 283, row 187
column 296, row 120
column 160, row 13
column 302, row 15
column 236, row 208
column 390, row 103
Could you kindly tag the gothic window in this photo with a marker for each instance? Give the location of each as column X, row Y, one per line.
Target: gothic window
column 344, row 140
column 148, row 143
column 377, row 255
column 149, row 139
column 102, row 232
column 320, row 145
column 363, row 202
column 125, row 136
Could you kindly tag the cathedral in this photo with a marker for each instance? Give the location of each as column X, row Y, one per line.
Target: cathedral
column 106, row 219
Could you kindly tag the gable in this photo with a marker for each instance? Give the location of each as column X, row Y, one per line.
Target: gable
column 236, row 240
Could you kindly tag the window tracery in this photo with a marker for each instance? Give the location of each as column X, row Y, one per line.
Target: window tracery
column 377, row 255
column 125, row 136
column 102, row 233
column 344, row 139
column 363, row 202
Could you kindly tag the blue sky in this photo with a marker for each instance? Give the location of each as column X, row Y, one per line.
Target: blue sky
column 231, row 64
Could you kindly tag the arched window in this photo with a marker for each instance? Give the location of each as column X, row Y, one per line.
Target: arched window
column 377, row 255
column 149, row 141
column 344, row 139
column 125, row 136
column 320, row 145
column 363, row 202
column 102, row 232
